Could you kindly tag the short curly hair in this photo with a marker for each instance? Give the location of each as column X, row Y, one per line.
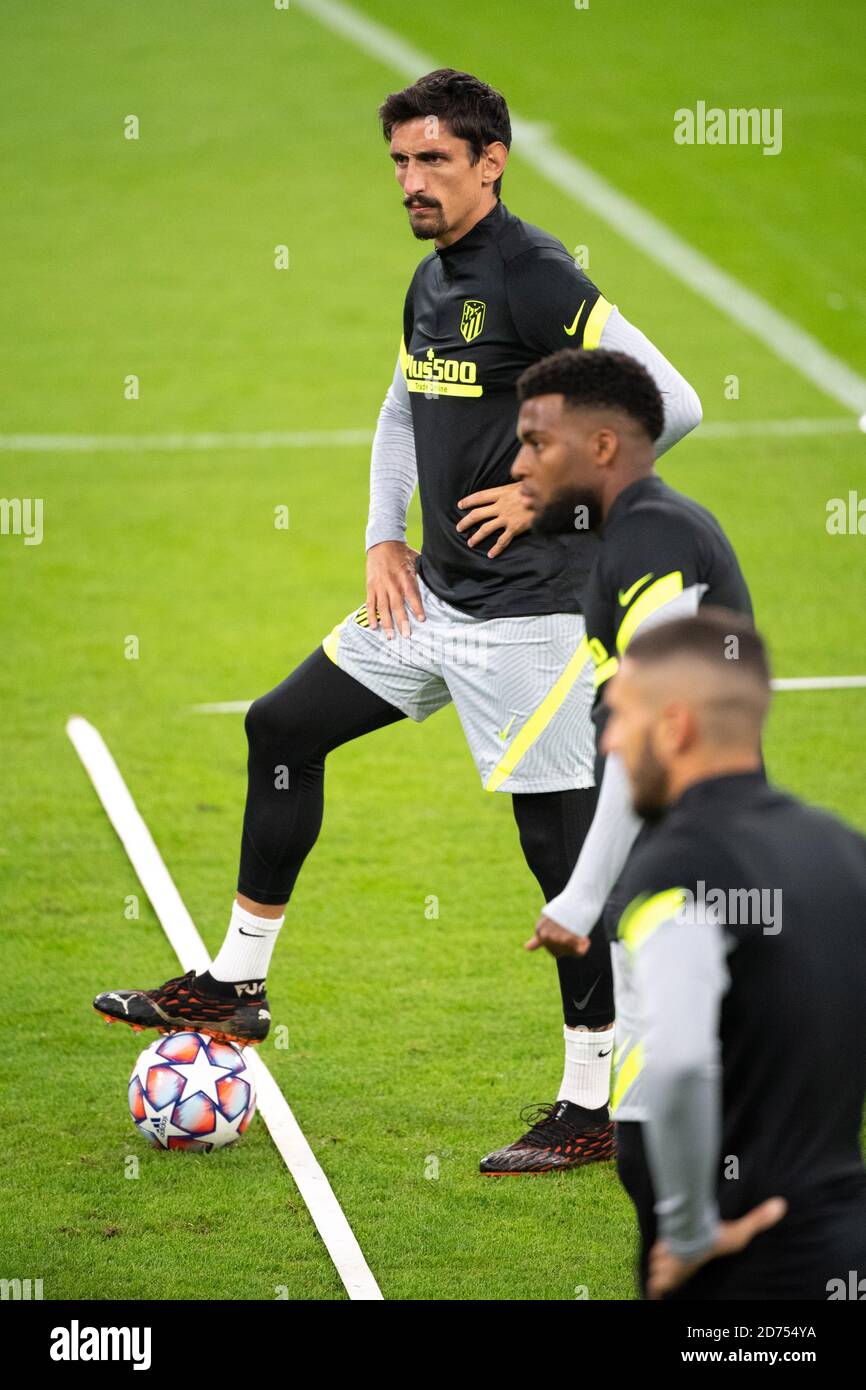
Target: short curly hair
column 597, row 377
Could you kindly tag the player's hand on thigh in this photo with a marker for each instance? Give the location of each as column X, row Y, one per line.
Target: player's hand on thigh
column 558, row 940
column 496, row 509
column 392, row 584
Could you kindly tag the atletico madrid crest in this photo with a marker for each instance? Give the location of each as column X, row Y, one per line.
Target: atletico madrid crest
column 472, row 320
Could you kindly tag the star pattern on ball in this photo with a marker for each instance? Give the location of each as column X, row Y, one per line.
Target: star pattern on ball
column 224, row 1131
column 200, row 1075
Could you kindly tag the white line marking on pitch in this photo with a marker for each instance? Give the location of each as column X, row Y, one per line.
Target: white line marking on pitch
column 191, row 951
column 784, row 683
column 820, row 683
column 223, row 707
column 533, row 144
column 339, row 439
column 742, row 429
column 157, row 443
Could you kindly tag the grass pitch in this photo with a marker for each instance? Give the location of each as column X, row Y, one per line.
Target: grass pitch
column 412, row 1042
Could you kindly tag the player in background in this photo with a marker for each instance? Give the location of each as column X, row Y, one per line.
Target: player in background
column 488, row 616
column 743, row 974
column 588, row 424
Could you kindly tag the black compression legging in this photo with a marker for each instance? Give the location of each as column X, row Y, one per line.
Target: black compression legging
column 289, row 731
column 316, row 709
column 553, row 827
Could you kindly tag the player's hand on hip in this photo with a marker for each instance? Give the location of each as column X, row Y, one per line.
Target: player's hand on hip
column 667, row 1271
column 558, row 940
column 392, row 584
column 495, row 509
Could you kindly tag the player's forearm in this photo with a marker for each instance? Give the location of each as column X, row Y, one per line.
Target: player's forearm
column 393, row 469
column 682, row 404
column 615, row 825
column 682, row 1137
column 602, row 857
column 682, row 1130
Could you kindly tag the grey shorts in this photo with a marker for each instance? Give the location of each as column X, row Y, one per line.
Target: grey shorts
column 522, row 687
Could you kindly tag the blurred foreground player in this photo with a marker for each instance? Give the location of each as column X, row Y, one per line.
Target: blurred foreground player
column 741, row 979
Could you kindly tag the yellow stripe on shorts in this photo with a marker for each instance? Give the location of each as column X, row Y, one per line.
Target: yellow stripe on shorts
column 626, row 1076
column 332, row 641
column 539, row 719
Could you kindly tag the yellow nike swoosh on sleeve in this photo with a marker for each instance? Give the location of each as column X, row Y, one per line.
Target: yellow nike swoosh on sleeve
column 626, row 596
column 573, row 329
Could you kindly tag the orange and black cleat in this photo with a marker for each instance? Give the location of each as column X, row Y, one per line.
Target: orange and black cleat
column 184, row 1005
column 560, row 1135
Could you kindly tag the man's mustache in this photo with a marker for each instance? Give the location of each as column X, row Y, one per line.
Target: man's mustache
column 420, row 203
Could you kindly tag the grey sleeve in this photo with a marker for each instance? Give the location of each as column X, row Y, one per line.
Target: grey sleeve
column 614, row 826
column 681, row 976
column 681, row 402
column 393, row 470
column 602, row 855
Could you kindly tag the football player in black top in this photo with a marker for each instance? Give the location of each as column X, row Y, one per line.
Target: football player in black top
column 588, row 424
column 493, row 296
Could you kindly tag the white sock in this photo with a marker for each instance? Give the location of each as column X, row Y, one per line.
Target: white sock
column 586, row 1079
column 249, row 943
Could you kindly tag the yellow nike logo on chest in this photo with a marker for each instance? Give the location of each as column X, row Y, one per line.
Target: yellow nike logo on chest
column 626, row 596
column 573, row 329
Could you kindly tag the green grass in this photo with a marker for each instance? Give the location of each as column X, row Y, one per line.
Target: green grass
column 407, row 1037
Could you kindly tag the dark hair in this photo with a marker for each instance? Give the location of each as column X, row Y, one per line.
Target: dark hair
column 474, row 111
column 595, row 376
column 707, row 637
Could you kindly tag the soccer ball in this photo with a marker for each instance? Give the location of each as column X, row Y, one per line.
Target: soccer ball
column 188, row 1091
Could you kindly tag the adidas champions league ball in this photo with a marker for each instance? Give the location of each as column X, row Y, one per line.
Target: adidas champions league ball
column 188, row 1091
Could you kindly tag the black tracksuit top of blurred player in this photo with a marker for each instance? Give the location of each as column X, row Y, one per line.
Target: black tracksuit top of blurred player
column 657, row 543
column 477, row 313
column 792, row 1023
